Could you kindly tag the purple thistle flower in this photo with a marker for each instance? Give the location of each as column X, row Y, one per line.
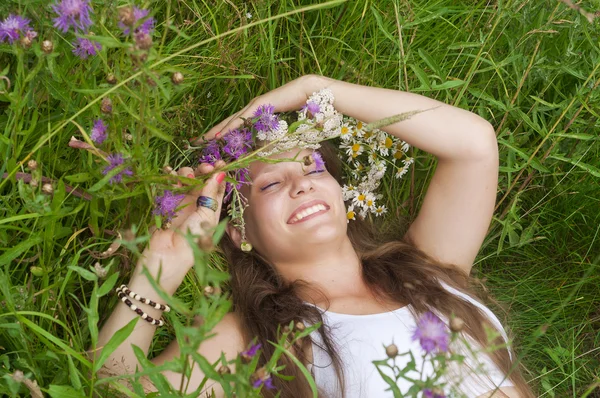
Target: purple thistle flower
column 98, row 134
column 116, row 160
column 242, row 176
column 427, row 393
column 85, row 47
column 268, row 382
column 238, row 142
column 211, row 153
column 267, row 120
column 311, row 109
column 319, row 162
column 12, row 26
column 431, row 333
column 166, row 204
column 252, row 350
column 146, row 27
column 75, row 13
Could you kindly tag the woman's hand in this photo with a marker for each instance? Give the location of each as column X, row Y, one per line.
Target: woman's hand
column 291, row 96
column 168, row 248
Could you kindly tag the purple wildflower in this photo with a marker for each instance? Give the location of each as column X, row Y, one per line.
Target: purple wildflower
column 72, row 13
column 268, row 382
column 85, row 47
column 114, row 161
column 252, row 350
column 431, row 333
column 146, row 27
column 12, row 26
column 166, row 204
column 98, row 134
column 267, row 119
column 312, row 109
column 211, row 153
column 242, row 176
column 319, row 162
column 238, row 142
column 427, row 393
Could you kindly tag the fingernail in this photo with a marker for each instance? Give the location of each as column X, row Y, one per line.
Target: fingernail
column 220, row 177
column 218, row 134
column 191, row 175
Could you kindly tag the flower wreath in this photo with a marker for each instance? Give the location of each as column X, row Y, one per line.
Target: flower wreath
column 369, row 151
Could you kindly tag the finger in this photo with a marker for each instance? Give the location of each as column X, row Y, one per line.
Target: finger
column 232, row 122
column 214, row 189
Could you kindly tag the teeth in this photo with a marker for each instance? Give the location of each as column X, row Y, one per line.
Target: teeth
column 308, row 212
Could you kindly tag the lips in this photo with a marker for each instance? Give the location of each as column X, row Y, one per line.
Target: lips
column 294, row 216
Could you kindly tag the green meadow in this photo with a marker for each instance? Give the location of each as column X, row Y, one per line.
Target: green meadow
column 531, row 68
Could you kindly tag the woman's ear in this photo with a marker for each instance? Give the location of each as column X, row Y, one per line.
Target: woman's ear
column 234, row 234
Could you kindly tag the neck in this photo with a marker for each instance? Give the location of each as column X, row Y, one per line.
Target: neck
column 334, row 270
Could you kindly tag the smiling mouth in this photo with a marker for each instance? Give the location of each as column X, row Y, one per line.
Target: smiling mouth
column 311, row 212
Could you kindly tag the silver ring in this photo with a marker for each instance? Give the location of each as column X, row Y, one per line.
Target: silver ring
column 208, row 202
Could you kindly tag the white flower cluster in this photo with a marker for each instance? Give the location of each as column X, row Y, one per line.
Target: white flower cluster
column 276, row 134
column 321, row 122
column 369, row 153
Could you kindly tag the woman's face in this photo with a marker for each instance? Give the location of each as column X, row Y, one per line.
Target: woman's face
column 292, row 208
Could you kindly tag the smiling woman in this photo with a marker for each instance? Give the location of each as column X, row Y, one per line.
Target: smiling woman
column 367, row 285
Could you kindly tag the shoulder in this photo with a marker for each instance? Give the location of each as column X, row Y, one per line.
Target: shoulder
column 230, row 327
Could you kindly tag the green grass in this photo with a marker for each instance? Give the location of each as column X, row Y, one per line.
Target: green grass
column 531, row 68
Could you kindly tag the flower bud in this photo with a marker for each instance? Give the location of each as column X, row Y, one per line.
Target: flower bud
column 224, row 370
column 128, row 137
column 111, row 79
column 106, row 106
column 143, row 40
column 47, row 46
column 32, row 164
column 25, row 42
column 177, row 78
column 209, row 291
column 300, row 326
column 167, row 169
column 205, row 243
column 457, row 324
column 126, row 16
column 391, row 351
column 34, row 183
column 286, row 329
column 308, row 160
column 47, row 189
column 100, row 270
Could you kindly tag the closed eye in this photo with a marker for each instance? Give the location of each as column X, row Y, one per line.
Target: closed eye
column 275, row 183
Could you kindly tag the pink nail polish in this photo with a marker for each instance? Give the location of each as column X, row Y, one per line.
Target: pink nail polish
column 220, row 177
column 191, row 175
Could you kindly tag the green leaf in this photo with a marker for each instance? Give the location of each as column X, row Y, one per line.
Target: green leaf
column 535, row 163
column 79, row 177
column 64, row 392
column 584, row 137
column 587, row 167
column 115, row 341
column 448, row 84
column 73, row 374
column 19, row 249
column 58, row 342
column 382, row 27
column 159, row 133
column 421, row 75
column 84, row 273
column 300, row 366
column 108, row 285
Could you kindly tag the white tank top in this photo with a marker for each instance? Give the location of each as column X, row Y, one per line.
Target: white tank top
column 362, row 339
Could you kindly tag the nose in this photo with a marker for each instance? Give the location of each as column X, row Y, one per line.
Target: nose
column 301, row 185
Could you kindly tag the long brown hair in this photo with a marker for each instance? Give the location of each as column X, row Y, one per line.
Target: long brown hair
column 392, row 268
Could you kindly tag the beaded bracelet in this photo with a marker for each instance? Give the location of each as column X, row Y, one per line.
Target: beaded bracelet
column 127, row 291
column 133, row 307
